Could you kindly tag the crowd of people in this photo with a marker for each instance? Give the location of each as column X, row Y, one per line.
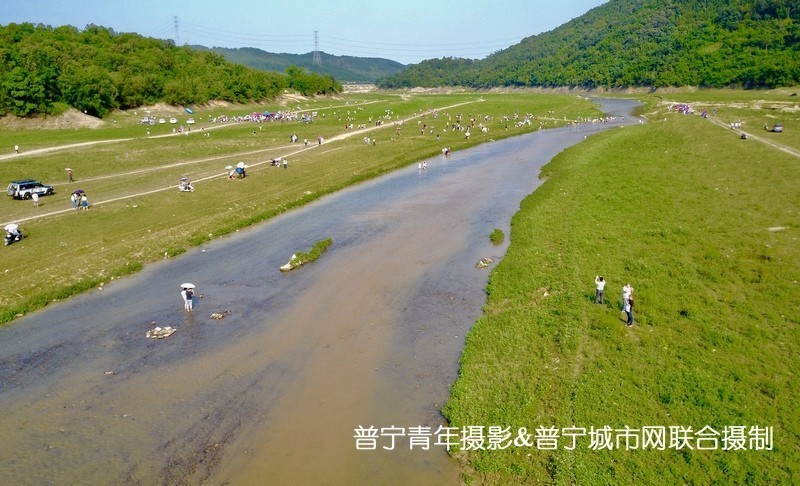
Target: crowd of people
column 79, row 200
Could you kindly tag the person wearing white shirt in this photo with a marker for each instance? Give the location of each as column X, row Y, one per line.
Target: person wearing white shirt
column 627, row 291
column 601, row 284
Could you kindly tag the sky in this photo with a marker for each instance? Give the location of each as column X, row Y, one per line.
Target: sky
column 406, row 31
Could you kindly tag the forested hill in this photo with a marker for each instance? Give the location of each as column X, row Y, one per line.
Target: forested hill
column 43, row 69
column 654, row 43
column 342, row 68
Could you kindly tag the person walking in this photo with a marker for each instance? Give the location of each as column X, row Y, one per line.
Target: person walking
column 84, row 202
column 629, row 311
column 285, row 163
column 35, row 198
column 69, row 174
column 598, row 295
column 74, row 198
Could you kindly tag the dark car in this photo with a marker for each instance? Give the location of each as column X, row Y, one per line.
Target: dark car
column 25, row 189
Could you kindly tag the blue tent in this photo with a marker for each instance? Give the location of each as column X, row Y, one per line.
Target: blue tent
column 189, row 111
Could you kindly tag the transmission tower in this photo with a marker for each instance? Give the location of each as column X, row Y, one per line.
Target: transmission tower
column 177, row 37
column 317, row 59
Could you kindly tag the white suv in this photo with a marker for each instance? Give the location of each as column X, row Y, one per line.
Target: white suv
column 25, row 189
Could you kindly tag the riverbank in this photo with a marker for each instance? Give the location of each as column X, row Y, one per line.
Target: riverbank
column 704, row 227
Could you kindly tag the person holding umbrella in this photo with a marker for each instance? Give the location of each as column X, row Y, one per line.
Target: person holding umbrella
column 75, row 198
column 69, row 173
column 187, row 293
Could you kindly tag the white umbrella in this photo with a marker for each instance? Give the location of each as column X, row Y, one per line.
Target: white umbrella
column 187, row 285
column 240, row 164
column 11, row 227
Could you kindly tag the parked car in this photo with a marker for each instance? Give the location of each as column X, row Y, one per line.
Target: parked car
column 173, row 120
column 162, row 121
column 25, row 189
column 777, row 128
column 190, row 121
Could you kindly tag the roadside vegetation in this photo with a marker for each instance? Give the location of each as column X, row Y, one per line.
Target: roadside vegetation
column 705, row 227
column 74, row 251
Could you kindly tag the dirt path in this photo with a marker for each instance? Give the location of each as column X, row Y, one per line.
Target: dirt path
column 751, row 136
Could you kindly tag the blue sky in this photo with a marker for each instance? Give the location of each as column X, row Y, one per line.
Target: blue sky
column 406, row 31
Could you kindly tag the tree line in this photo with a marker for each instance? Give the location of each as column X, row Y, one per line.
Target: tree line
column 96, row 70
column 653, row 43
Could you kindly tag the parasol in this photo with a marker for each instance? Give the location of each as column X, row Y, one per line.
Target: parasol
column 184, row 179
column 11, row 227
column 228, row 167
column 187, row 285
column 78, row 191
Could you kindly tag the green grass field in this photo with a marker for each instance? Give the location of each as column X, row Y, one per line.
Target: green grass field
column 705, row 227
column 75, row 251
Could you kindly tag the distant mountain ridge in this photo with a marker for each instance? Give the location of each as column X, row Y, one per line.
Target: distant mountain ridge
column 344, row 69
column 652, row 43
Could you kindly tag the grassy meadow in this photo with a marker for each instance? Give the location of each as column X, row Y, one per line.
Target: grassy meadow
column 138, row 215
column 705, row 227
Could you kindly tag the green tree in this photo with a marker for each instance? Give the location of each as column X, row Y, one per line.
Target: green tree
column 97, row 70
column 89, row 89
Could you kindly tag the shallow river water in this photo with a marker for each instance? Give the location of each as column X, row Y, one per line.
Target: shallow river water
column 369, row 335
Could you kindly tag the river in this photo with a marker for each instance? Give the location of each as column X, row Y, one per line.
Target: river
column 366, row 337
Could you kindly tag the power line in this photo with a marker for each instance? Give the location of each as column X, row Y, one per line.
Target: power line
column 246, row 36
column 163, row 31
column 432, row 46
column 336, row 45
